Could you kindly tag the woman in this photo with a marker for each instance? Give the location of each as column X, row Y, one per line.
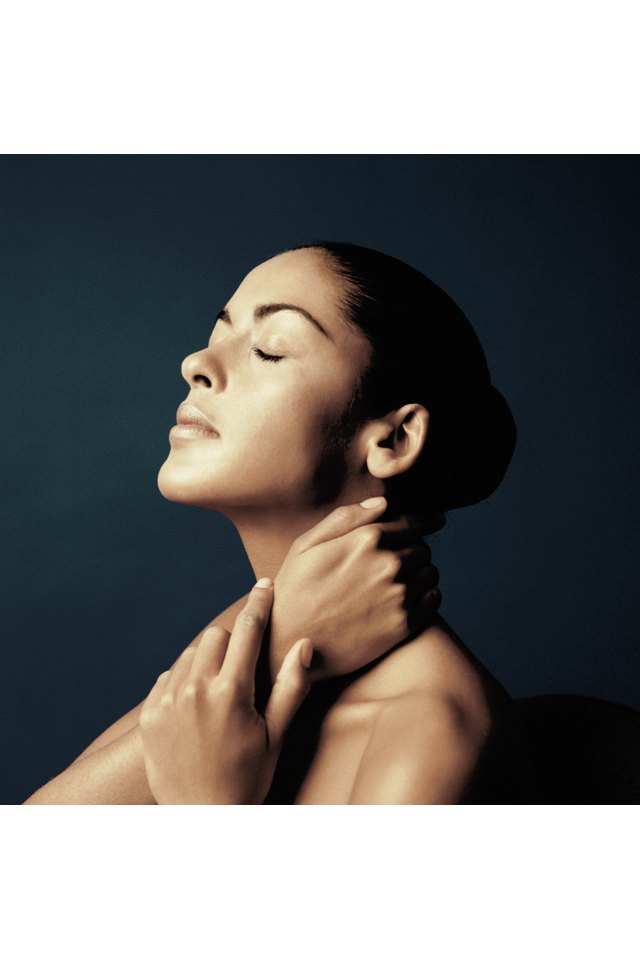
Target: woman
column 334, row 375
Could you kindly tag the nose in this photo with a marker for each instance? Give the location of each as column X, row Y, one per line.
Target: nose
column 203, row 367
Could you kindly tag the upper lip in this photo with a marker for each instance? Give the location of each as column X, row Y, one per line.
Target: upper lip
column 188, row 413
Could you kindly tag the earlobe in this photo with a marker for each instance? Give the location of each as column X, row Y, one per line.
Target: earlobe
column 395, row 441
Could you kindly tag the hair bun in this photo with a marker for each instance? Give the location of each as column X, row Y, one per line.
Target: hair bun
column 472, row 443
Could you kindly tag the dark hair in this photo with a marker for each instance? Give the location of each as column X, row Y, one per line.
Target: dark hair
column 424, row 351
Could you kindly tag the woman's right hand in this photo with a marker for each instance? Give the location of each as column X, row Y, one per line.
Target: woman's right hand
column 355, row 586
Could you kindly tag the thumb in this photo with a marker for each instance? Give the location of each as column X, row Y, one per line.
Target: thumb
column 342, row 520
column 289, row 690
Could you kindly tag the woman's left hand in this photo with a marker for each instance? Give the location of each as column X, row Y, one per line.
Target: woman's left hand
column 204, row 741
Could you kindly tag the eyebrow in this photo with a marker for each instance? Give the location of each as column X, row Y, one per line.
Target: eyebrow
column 266, row 309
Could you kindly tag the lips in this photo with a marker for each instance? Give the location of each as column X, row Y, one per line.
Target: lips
column 188, row 413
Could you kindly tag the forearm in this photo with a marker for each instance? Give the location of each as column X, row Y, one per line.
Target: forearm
column 111, row 769
column 114, row 774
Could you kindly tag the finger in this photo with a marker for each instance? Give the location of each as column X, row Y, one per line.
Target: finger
column 180, row 670
column 247, row 634
column 210, row 653
column 413, row 559
column 289, row 690
column 401, row 532
column 342, row 520
column 417, row 586
column 420, row 616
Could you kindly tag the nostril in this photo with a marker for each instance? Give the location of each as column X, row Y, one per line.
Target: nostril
column 203, row 368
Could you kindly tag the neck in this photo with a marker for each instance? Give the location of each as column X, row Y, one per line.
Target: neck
column 267, row 535
column 268, row 532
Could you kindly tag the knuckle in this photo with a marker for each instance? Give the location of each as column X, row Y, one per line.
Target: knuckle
column 190, row 691
column 342, row 513
column 226, row 688
column 399, row 594
column 252, row 618
column 167, row 699
column 145, row 720
column 393, row 566
column 369, row 537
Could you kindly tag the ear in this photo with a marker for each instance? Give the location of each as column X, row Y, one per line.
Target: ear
column 393, row 443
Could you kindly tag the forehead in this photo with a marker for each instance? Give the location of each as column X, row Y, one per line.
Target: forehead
column 303, row 278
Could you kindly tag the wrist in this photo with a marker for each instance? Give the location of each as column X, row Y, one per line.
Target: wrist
column 279, row 648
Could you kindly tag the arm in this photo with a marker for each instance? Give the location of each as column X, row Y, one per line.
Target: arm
column 130, row 720
column 111, row 774
column 111, row 769
column 422, row 750
column 203, row 739
column 346, row 569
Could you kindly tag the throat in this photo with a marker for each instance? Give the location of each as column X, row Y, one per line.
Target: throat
column 267, row 534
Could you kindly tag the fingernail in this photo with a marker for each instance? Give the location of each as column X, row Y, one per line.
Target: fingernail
column 264, row 582
column 373, row 502
column 306, row 654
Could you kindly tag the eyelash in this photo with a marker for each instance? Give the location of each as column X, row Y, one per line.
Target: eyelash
column 270, row 357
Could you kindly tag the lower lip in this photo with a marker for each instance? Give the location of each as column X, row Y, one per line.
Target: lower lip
column 191, row 431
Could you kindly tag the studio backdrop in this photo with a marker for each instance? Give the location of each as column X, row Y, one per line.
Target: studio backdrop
column 113, row 269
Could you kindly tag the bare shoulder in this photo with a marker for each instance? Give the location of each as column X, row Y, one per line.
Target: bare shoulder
column 423, row 749
column 432, row 673
column 427, row 709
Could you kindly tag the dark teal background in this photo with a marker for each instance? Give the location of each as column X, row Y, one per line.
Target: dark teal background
column 112, row 270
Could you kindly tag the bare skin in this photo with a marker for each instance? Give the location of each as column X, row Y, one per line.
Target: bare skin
column 431, row 687
column 280, row 419
column 407, row 727
column 348, row 569
column 386, row 738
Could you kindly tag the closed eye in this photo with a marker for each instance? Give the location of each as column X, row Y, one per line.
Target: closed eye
column 266, row 356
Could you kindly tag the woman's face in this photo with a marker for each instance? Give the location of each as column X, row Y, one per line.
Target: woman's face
column 273, row 417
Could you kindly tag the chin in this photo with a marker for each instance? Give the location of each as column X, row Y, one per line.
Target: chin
column 180, row 486
column 218, row 489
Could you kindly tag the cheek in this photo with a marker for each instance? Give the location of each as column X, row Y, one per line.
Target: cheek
column 297, row 456
column 289, row 423
column 275, row 450
column 284, row 446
